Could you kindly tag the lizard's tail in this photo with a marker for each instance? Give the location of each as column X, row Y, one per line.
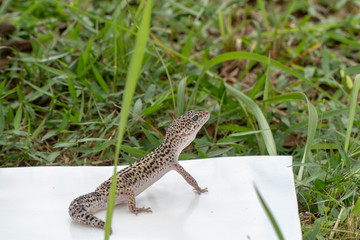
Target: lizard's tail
column 80, row 209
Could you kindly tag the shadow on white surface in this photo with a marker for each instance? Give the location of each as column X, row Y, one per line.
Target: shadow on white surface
column 34, row 202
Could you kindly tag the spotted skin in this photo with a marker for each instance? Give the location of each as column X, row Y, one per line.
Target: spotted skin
column 137, row 177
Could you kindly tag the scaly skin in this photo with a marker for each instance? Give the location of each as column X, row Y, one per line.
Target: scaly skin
column 137, row 177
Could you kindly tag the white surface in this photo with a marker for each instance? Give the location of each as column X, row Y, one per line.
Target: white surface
column 34, row 202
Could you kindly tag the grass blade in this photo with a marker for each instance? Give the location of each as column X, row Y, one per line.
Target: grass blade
column 311, row 235
column 263, row 124
column 132, row 76
column 29, row 10
column 222, row 26
column 4, row 6
column 100, row 79
column 181, row 96
column 312, row 122
column 269, row 214
column 353, row 104
column 249, row 103
column 187, row 46
column 350, row 70
column 269, row 140
column 2, row 118
column 17, row 119
column 258, row 58
column 72, row 89
column 264, row 13
column 344, row 40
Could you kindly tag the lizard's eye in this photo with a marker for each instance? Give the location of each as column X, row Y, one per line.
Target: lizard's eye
column 195, row 118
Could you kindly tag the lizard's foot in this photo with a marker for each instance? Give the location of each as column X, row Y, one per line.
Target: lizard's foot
column 140, row 210
column 201, row 190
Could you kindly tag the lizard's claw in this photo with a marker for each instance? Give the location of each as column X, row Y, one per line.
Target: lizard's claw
column 139, row 210
column 201, row 190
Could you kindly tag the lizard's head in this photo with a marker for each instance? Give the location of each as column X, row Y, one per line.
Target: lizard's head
column 182, row 131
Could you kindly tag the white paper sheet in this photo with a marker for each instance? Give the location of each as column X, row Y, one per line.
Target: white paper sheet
column 34, row 202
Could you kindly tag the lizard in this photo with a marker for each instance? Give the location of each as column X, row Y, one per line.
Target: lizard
column 136, row 177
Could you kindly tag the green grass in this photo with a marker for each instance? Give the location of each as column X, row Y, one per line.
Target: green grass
column 131, row 80
column 279, row 77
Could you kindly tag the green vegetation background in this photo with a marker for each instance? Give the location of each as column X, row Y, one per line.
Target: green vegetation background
column 279, row 77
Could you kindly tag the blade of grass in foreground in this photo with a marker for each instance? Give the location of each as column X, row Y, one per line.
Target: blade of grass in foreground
column 269, row 214
column 132, row 76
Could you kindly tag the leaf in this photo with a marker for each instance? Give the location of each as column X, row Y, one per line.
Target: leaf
column 181, row 97
column 64, row 145
column 39, row 129
column 153, row 140
column 269, row 214
column 264, row 13
column 100, row 79
column 187, row 47
column 2, row 118
column 55, row 71
column 39, row 90
column 134, row 151
column 344, row 156
column 4, row 6
column 2, row 86
column 86, row 54
column 263, row 125
column 92, row 140
column 222, row 26
column 344, row 40
column 325, row 61
column 311, row 235
column 356, row 210
column 32, row 59
column 17, row 119
column 138, row 107
column 97, row 91
column 49, row 134
column 234, row 128
column 72, row 89
column 352, row 70
column 104, row 145
column 228, row 140
column 218, row 152
column 258, row 58
column 127, row 158
column 131, row 80
column 150, row 92
column 353, row 105
column 81, row 149
column 311, row 123
column 64, row 121
column 325, row 146
column 52, row 156
column 319, row 184
column 149, row 110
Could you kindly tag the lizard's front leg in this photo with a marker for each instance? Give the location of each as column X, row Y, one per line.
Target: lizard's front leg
column 132, row 202
column 189, row 179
